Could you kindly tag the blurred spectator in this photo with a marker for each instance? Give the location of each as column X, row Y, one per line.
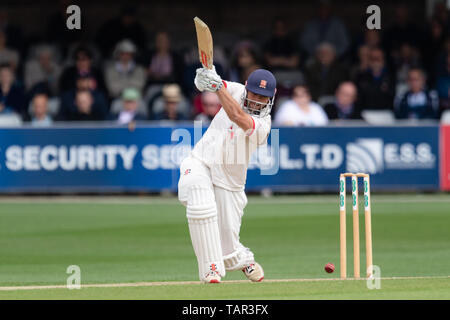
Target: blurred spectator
column 435, row 35
column 407, row 58
column 84, row 83
column 165, row 66
column 441, row 13
column 8, row 55
column 368, row 37
column 401, row 31
column 372, row 38
column 12, row 95
column 39, row 111
column 172, row 98
column 441, row 60
column 82, row 59
column 300, row 110
column 345, row 106
column 130, row 103
column 5, row 109
column 250, row 69
column 280, row 51
column 7, row 115
column 57, row 32
column 125, row 26
column 376, row 85
column 325, row 73
column 43, row 68
column 84, row 108
column 443, row 85
column 417, row 102
column 362, row 65
column 13, row 33
column 325, row 28
column 210, row 105
column 124, row 72
column 244, row 58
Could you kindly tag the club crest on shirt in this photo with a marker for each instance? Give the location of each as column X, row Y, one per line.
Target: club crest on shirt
column 187, row 171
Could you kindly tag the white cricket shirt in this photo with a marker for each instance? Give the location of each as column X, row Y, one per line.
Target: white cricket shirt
column 226, row 149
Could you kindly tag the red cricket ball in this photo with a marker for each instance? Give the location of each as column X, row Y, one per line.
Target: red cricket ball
column 329, row 267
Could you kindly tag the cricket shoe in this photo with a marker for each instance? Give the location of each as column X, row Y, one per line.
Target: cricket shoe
column 213, row 275
column 254, row 272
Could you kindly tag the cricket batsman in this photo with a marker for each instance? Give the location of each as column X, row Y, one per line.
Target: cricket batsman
column 212, row 178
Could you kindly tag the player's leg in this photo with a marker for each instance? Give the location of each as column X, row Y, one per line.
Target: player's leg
column 230, row 209
column 195, row 191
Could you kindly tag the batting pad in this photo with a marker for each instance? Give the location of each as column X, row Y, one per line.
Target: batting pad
column 238, row 259
column 201, row 212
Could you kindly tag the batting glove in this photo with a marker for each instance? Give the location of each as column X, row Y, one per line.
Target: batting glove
column 208, row 79
column 198, row 83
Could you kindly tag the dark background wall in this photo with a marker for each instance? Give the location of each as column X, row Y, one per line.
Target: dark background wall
column 230, row 17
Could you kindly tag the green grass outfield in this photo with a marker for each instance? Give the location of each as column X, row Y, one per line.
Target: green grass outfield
column 139, row 248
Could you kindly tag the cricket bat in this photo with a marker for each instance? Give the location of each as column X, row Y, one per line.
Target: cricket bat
column 205, row 43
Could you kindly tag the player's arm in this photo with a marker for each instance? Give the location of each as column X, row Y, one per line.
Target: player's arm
column 209, row 80
column 234, row 110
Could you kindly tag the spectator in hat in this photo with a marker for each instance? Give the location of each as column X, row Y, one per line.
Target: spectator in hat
column 82, row 65
column 172, row 97
column 417, row 102
column 39, row 111
column 300, row 110
column 345, row 105
column 130, row 103
column 124, row 72
column 210, row 106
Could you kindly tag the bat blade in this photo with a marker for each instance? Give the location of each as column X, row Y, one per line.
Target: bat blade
column 205, row 43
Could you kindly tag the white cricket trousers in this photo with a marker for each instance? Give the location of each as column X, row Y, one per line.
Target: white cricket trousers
column 214, row 216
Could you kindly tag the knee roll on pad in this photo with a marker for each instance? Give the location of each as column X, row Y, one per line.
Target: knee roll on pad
column 200, row 203
column 238, row 259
